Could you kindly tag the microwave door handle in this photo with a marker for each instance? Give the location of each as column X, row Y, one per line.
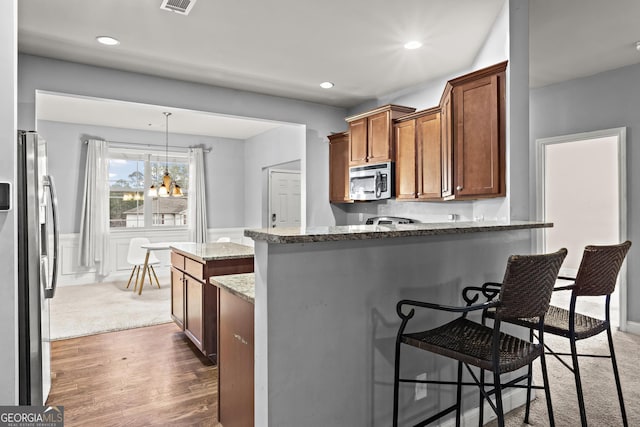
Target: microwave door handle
column 378, row 185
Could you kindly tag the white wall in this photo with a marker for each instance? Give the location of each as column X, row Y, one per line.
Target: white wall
column 602, row 101
column 224, row 168
column 271, row 148
column 8, row 224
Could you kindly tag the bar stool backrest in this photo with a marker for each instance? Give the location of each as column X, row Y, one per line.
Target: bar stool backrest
column 528, row 284
column 599, row 268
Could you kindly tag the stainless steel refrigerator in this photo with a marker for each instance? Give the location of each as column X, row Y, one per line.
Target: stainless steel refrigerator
column 36, row 208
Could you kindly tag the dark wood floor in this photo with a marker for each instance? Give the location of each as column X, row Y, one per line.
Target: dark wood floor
column 140, row 377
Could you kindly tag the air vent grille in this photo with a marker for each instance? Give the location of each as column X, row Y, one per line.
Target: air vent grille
column 182, row 7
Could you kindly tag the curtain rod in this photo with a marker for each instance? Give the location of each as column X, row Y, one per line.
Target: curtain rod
column 206, row 150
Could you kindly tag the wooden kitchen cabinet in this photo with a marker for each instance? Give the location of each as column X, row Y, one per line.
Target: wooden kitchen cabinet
column 405, row 149
column 418, row 155
column 194, row 302
column 459, row 146
column 339, row 167
column 371, row 134
column 177, row 297
column 429, row 156
column 236, row 367
column 478, row 131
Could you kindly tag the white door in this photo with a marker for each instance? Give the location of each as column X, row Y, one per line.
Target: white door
column 581, row 178
column 284, row 199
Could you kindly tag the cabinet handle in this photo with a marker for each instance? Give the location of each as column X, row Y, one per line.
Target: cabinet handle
column 459, row 187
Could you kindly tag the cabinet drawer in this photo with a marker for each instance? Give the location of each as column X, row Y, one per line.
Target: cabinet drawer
column 177, row 260
column 194, row 268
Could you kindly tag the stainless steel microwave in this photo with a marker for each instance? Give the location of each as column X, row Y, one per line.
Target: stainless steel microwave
column 371, row 182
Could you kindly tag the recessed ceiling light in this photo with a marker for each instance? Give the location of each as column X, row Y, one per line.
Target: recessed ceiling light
column 638, row 46
column 106, row 40
column 412, row 45
column 326, row 85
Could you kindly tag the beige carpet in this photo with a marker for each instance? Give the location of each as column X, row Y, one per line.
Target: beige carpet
column 104, row 307
column 601, row 399
column 599, row 388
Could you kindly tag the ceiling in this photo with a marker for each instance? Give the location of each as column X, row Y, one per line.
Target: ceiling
column 288, row 47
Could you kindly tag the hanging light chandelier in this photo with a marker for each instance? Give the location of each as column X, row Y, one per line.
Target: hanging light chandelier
column 168, row 187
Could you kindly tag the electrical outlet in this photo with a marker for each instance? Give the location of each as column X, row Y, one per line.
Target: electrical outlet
column 360, row 217
column 421, row 388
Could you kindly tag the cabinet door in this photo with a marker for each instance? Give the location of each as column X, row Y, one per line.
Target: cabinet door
column 339, row 168
column 193, row 326
column 378, row 137
column 405, row 149
column 358, row 141
column 446, row 139
column 236, row 372
column 177, row 297
column 476, row 137
column 429, row 156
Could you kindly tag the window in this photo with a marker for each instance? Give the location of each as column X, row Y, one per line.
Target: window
column 131, row 173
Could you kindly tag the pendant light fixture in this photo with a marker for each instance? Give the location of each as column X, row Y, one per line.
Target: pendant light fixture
column 168, row 186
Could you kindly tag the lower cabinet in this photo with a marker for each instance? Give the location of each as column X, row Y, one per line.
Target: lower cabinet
column 194, row 301
column 236, row 371
column 177, row 297
column 194, row 320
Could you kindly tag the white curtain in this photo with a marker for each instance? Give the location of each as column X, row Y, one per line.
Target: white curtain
column 197, row 197
column 94, row 228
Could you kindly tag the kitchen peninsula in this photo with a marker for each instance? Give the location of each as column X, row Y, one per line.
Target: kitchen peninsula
column 325, row 320
column 194, row 301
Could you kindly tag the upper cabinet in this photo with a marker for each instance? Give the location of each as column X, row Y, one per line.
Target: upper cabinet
column 478, row 128
column 371, row 134
column 456, row 150
column 339, row 167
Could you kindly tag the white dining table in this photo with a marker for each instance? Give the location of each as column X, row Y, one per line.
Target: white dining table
column 158, row 246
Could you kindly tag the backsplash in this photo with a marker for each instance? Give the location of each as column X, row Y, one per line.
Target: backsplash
column 474, row 210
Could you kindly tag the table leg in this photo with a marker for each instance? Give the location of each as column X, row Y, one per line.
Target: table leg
column 144, row 271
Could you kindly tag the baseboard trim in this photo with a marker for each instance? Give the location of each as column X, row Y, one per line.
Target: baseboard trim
column 632, row 328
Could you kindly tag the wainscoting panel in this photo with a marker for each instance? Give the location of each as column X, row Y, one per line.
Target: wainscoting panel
column 71, row 273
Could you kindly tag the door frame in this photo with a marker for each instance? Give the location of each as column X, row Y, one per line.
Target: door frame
column 269, row 198
column 620, row 134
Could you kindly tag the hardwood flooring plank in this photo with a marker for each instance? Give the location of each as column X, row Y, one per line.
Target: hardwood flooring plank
column 149, row 376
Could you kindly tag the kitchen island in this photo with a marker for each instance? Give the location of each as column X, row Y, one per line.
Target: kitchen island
column 194, row 301
column 325, row 320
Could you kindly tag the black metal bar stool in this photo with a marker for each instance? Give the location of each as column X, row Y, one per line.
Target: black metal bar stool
column 525, row 292
column 597, row 276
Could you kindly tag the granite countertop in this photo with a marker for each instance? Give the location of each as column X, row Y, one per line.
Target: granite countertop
column 241, row 285
column 214, row 251
column 364, row 232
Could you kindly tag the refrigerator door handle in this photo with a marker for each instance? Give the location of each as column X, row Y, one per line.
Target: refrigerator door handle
column 50, row 290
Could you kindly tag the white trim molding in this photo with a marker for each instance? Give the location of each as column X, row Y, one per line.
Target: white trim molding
column 621, row 136
column 71, row 273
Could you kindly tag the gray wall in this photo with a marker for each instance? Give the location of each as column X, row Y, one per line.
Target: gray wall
column 603, row 101
column 8, row 241
column 67, row 77
column 224, row 168
column 508, row 39
column 277, row 146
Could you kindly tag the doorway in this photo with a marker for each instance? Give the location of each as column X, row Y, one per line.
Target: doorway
column 581, row 189
column 284, row 198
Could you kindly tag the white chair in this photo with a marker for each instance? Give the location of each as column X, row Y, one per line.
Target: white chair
column 137, row 256
column 223, row 239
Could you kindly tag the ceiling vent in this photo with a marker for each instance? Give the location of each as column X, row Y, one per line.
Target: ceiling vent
column 183, row 7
